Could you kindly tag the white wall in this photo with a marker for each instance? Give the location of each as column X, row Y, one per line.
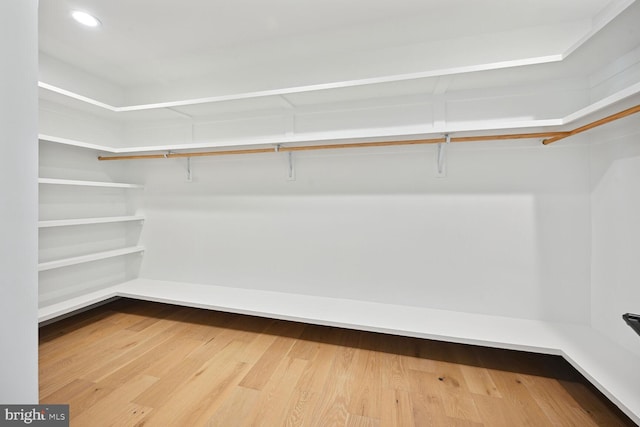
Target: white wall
column 506, row 233
column 66, row 122
column 62, row 75
column 615, row 206
column 18, row 202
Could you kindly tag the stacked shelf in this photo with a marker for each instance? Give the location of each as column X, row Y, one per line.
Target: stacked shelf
column 65, row 262
column 65, row 241
column 71, row 305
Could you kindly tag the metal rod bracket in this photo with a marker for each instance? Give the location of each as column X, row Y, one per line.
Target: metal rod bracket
column 441, row 157
column 291, row 171
column 189, row 174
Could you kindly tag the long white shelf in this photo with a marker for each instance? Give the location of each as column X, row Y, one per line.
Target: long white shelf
column 57, row 181
column 88, row 221
column 611, row 368
column 88, row 258
column 402, row 132
column 73, row 142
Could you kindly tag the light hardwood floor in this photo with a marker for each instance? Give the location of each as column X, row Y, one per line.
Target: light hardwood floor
column 134, row 363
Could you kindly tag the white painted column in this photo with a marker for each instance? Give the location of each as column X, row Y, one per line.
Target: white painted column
column 18, row 201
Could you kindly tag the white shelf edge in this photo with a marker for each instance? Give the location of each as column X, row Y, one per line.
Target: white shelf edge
column 608, row 101
column 346, row 136
column 88, row 221
column 52, row 311
column 74, row 143
column 406, row 132
column 556, row 57
column 65, row 262
column 57, row 181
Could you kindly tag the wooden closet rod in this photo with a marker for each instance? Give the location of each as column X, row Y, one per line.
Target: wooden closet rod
column 333, row 146
column 551, row 138
column 608, row 119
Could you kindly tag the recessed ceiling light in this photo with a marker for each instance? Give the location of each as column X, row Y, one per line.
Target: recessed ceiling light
column 85, row 19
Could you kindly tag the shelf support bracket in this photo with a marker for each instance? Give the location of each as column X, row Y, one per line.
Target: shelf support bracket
column 632, row 320
column 441, row 157
column 291, row 171
column 189, row 175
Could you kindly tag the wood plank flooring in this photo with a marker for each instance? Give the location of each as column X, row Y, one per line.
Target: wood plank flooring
column 135, row 363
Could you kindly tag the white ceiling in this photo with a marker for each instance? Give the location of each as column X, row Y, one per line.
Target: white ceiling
column 158, row 50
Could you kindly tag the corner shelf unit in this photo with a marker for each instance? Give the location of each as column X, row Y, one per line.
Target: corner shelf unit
column 80, row 290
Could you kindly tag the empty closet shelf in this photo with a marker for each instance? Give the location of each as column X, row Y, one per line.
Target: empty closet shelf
column 89, row 221
column 52, row 311
column 88, row 258
column 56, row 181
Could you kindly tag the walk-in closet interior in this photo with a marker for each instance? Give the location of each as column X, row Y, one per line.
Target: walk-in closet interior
column 465, row 171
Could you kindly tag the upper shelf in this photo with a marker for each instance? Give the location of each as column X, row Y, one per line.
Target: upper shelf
column 87, row 183
column 400, row 42
column 546, row 130
column 528, row 90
